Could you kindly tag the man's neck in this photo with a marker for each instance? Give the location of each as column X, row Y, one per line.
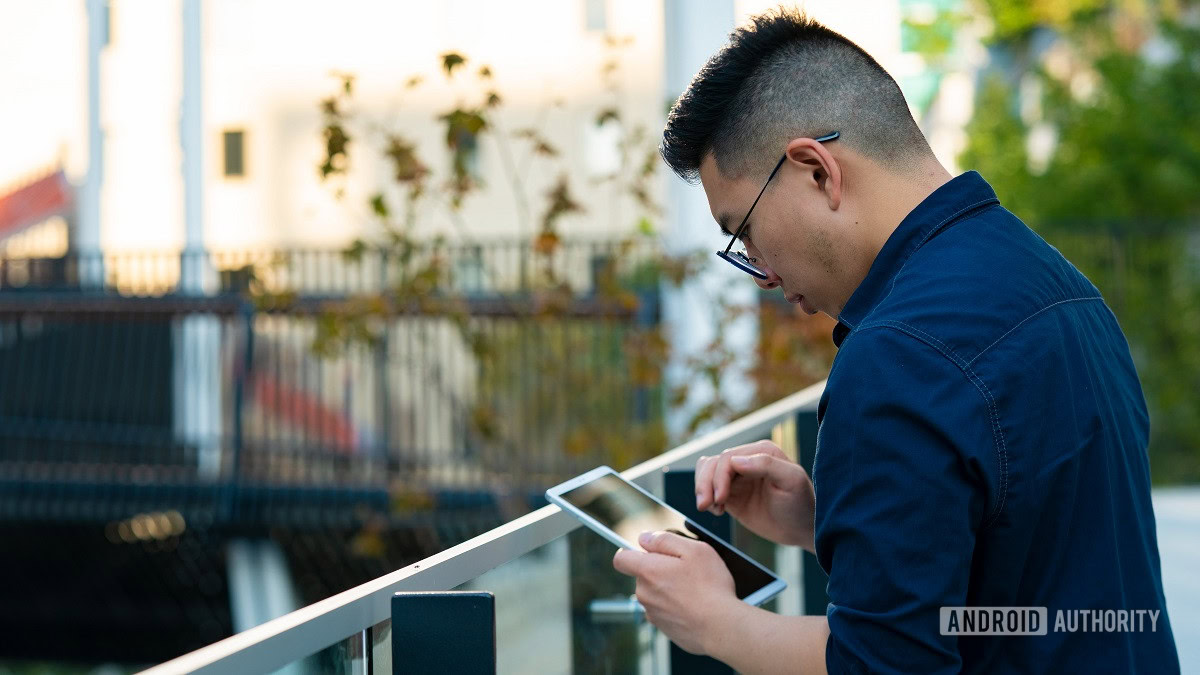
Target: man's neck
column 895, row 196
column 899, row 195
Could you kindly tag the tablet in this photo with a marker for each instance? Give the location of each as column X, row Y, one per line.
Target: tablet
column 619, row 511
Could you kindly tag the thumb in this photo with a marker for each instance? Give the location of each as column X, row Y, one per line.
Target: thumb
column 628, row 562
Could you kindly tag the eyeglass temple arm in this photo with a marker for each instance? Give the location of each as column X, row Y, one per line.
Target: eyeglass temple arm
column 738, row 232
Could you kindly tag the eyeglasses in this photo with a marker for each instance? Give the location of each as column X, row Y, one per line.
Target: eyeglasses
column 739, row 259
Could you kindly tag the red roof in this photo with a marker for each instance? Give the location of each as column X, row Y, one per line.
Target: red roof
column 34, row 203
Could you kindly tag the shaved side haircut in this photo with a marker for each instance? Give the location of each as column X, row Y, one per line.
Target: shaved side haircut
column 786, row 76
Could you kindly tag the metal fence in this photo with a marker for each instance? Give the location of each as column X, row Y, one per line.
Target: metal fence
column 139, row 381
column 157, row 409
column 500, row 266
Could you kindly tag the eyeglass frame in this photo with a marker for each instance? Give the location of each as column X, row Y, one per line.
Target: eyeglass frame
column 739, row 259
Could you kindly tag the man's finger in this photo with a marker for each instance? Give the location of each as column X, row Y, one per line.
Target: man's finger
column 722, row 476
column 628, row 562
column 704, row 473
column 666, row 543
column 709, row 475
column 762, row 465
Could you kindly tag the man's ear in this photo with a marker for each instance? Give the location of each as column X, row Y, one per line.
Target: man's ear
column 819, row 168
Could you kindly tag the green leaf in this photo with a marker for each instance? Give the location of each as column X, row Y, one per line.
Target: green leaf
column 462, row 123
column 379, row 206
column 354, row 252
column 337, row 141
column 452, row 60
column 407, row 167
column 561, row 202
column 608, row 115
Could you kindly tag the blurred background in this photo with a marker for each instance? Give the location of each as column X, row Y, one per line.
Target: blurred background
column 293, row 294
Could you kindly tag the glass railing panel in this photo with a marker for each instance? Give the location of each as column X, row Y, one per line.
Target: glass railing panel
column 533, row 610
column 381, row 648
column 558, row 611
column 345, row 657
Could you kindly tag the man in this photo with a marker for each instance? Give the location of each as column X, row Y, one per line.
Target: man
column 983, row 433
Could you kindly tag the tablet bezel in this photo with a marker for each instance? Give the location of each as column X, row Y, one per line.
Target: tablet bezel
column 554, row 495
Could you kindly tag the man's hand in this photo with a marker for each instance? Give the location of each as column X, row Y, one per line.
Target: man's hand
column 767, row 492
column 684, row 586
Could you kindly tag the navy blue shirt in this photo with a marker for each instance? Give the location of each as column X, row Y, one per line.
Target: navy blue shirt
column 982, row 443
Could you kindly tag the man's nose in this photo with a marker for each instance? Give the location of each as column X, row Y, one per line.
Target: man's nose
column 772, row 279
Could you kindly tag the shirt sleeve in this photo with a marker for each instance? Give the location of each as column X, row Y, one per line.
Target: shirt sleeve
column 901, row 479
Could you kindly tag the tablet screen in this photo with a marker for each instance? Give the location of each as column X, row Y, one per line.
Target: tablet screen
column 629, row 512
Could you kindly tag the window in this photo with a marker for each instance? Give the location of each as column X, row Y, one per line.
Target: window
column 596, row 13
column 235, row 154
column 602, row 147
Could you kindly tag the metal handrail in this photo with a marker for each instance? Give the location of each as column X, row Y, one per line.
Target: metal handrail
column 291, row 637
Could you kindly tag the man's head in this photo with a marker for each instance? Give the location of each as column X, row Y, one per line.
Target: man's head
column 782, row 81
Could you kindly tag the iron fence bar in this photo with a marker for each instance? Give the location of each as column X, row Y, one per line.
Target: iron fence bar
column 242, row 373
column 103, row 306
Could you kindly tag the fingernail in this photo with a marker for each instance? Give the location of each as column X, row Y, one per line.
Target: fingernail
column 644, row 538
column 698, row 501
column 740, row 461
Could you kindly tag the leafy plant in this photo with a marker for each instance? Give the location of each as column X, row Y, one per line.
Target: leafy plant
column 610, row 358
column 1115, row 95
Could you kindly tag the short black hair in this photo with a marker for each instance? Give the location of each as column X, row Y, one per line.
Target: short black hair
column 785, row 76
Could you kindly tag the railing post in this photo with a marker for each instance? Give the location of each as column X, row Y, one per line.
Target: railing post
column 679, row 491
column 814, row 578
column 444, row 633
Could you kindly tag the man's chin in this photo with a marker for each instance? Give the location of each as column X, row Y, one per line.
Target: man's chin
column 803, row 302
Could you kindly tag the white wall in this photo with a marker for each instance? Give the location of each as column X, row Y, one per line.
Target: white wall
column 266, row 66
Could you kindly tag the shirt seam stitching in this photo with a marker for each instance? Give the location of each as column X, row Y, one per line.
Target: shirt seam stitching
column 1031, row 316
column 998, row 440
column 936, row 228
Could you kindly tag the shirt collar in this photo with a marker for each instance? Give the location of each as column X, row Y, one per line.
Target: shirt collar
column 941, row 209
